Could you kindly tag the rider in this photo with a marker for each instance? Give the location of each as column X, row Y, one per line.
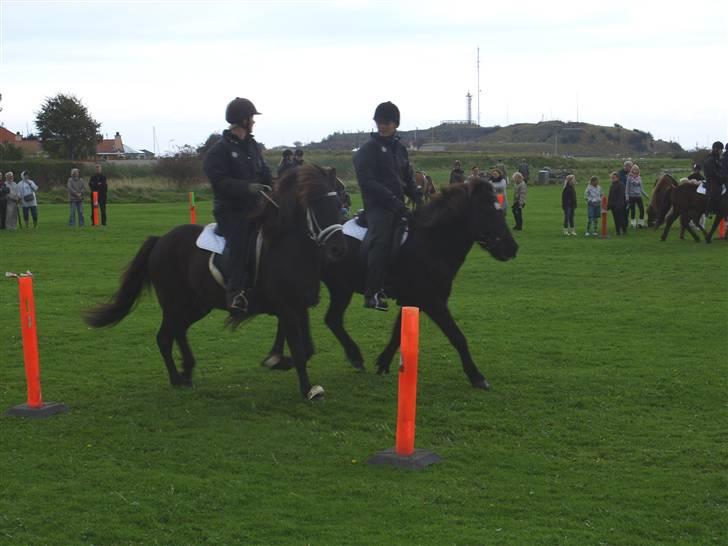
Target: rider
column 714, row 178
column 238, row 174
column 298, row 157
column 286, row 162
column 385, row 176
column 457, row 174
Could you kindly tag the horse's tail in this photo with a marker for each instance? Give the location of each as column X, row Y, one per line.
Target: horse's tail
column 133, row 281
column 665, row 206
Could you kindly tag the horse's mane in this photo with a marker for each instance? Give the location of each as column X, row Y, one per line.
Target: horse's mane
column 451, row 203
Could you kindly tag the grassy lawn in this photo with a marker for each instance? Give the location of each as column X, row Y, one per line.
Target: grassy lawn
column 607, row 422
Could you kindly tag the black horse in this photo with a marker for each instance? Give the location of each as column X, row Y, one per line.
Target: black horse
column 301, row 220
column 442, row 233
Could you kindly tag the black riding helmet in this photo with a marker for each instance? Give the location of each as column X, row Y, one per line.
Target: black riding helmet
column 717, row 146
column 239, row 111
column 387, row 111
column 287, row 153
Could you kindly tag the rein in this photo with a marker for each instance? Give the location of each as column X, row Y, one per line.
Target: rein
column 317, row 234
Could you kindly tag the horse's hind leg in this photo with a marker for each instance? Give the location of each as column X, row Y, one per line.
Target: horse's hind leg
column 384, row 360
column 188, row 359
column 165, row 341
column 276, row 360
column 685, row 219
column 340, row 300
column 716, row 223
column 669, row 219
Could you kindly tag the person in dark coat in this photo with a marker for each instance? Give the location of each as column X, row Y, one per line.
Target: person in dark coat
column 298, row 157
column 568, row 204
column 385, row 176
column 457, row 174
column 97, row 183
column 616, row 202
column 238, row 174
column 624, row 172
column 714, row 178
column 286, row 162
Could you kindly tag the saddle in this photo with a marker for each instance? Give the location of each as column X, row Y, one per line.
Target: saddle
column 219, row 262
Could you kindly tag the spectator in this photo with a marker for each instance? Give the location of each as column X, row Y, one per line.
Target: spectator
column 616, row 202
column 75, row 197
column 474, row 174
column 523, row 169
column 500, row 184
column 634, row 194
column 28, row 200
column 11, row 206
column 298, row 157
column 502, row 168
column 4, row 191
column 519, row 200
column 568, row 204
column 98, row 184
column 286, row 162
column 624, row 172
column 593, row 196
column 457, row 174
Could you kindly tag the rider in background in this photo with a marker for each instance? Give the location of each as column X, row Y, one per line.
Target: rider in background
column 238, row 174
column 714, row 177
column 385, row 176
column 286, row 162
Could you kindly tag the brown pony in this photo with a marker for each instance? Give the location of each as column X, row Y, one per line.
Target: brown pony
column 424, row 181
column 662, row 186
column 688, row 204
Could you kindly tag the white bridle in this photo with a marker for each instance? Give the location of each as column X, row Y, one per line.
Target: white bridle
column 318, row 235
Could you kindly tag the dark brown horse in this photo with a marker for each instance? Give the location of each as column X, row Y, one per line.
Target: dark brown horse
column 301, row 229
column 442, row 233
column 661, row 189
column 686, row 203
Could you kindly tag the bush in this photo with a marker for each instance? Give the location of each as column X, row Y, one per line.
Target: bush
column 183, row 170
column 10, row 152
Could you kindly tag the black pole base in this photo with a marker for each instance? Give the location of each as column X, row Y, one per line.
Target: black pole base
column 46, row 410
column 419, row 460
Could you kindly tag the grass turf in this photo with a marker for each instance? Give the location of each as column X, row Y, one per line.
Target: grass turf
column 606, row 423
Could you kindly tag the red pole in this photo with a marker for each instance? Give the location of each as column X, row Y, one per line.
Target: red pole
column 193, row 215
column 30, row 341
column 407, row 395
column 500, row 199
column 604, row 216
column 95, row 197
column 721, row 229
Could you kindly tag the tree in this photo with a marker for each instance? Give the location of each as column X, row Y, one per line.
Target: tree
column 66, row 129
column 10, row 152
column 202, row 149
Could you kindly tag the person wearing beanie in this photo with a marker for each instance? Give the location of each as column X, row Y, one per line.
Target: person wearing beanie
column 28, row 200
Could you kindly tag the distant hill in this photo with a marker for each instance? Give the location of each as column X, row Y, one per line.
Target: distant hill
column 547, row 137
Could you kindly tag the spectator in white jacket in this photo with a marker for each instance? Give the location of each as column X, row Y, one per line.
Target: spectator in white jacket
column 28, row 200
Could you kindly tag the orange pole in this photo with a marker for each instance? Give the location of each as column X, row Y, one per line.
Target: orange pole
column 721, row 229
column 500, row 199
column 604, row 216
column 193, row 215
column 30, row 341
column 95, row 197
column 407, row 395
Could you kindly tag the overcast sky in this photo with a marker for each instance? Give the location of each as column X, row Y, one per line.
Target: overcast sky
column 313, row 68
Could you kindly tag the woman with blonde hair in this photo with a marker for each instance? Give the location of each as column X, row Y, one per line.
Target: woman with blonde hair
column 568, row 204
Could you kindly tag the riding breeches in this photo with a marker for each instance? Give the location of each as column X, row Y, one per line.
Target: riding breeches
column 235, row 227
column 382, row 224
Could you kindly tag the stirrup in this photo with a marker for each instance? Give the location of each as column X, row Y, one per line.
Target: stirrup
column 239, row 302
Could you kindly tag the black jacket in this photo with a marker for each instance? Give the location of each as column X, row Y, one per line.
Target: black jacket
column 457, row 175
column 712, row 170
column 616, row 199
column 284, row 165
column 232, row 164
column 568, row 197
column 384, row 173
column 724, row 166
column 623, row 177
column 97, row 183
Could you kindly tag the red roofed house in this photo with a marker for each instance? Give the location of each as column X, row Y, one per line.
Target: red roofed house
column 29, row 146
column 116, row 149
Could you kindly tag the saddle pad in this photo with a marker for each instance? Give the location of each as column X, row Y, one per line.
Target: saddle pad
column 211, row 241
column 352, row 229
column 701, row 189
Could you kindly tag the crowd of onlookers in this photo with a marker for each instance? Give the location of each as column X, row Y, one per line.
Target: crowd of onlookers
column 19, row 203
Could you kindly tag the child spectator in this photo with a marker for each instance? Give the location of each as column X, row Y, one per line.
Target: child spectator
column 635, row 193
column 26, row 193
column 616, row 202
column 519, row 199
column 593, row 196
column 568, row 203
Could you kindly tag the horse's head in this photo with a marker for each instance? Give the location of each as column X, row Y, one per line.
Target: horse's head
column 309, row 194
column 488, row 222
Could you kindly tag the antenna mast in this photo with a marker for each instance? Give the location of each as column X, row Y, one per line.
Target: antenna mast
column 478, row 71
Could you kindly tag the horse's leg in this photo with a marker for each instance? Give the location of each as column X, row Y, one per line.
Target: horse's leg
column 685, row 219
column 440, row 314
column 276, row 360
column 295, row 338
column 340, row 299
column 188, row 359
column 669, row 219
column 384, row 360
column 165, row 340
column 716, row 223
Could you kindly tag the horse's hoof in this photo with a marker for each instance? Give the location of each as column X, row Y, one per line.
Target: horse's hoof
column 481, row 384
column 383, row 370
column 277, row 362
column 182, row 382
column 316, row 393
column 358, row 366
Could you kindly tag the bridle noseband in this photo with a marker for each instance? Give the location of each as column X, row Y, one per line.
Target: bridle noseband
column 315, row 233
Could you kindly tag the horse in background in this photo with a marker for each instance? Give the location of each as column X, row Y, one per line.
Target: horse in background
column 662, row 188
column 425, row 183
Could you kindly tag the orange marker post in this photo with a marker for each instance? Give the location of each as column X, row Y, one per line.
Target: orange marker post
column 604, row 216
column 35, row 406
column 721, row 229
column 95, row 201
column 193, row 215
column 404, row 454
column 500, row 199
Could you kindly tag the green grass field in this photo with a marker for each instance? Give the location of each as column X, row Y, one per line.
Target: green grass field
column 607, row 422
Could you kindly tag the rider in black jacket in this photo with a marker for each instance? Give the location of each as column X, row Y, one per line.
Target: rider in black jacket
column 385, row 176
column 238, row 174
column 714, row 178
